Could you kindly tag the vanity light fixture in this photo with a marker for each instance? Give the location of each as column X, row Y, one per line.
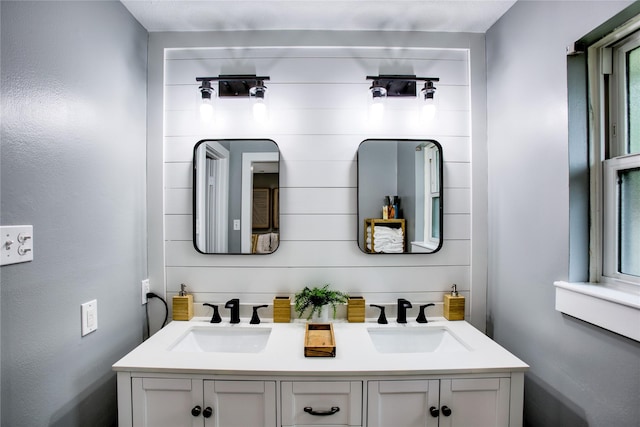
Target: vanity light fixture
column 428, row 100
column 236, row 86
column 206, row 107
column 378, row 95
column 257, row 92
column 399, row 85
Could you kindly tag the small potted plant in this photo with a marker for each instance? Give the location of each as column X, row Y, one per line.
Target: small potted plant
column 318, row 299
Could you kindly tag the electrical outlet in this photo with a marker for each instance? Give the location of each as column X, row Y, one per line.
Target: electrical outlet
column 145, row 290
column 89, row 314
column 236, row 224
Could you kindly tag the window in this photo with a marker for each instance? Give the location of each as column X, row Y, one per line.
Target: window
column 432, row 201
column 610, row 296
column 615, row 101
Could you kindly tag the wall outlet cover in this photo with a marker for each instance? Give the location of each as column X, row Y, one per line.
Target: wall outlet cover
column 145, row 290
column 89, row 313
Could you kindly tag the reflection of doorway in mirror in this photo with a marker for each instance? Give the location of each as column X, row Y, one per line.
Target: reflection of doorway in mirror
column 211, row 205
column 257, row 161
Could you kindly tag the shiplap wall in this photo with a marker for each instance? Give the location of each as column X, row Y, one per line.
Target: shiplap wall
column 318, row 116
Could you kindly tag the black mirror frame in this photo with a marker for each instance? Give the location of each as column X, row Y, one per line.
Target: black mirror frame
column 441, row 209
column 193, row 193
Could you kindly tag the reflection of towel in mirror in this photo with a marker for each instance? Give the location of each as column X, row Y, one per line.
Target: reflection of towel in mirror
column 385, row 239
column 266, row 243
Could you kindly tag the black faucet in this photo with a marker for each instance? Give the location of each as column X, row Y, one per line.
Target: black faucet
column 422, row 318
column 234, row 305
column 403, row 304
column 382, row 319
column 255, row 319
column 216, row 316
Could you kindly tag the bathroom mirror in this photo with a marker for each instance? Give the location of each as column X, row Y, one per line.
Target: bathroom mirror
column 236, row 187
column 399, row 196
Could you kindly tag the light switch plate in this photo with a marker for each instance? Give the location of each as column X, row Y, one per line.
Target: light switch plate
column 16, row 244
column 89, row 312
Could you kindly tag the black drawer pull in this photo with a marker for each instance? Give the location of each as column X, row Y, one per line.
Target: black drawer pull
column 333, row 410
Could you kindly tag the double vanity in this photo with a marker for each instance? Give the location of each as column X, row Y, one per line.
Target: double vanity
column 442, row 373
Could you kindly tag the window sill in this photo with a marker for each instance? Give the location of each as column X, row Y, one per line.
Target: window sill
column 424, row 245
column 611, row 309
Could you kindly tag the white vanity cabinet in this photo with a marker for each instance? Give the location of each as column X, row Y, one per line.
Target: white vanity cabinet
column 447, row 402
column 193, row 402
column 477, row 384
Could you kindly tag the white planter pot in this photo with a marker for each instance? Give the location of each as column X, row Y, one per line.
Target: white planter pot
column 323, row 317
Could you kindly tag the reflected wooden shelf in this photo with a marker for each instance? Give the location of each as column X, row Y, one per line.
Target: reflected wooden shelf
column 392, row 223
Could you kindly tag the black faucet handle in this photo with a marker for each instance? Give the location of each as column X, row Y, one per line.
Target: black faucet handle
column 422, row 318
column 255, row 319
column 382, row 319
column 216, row 316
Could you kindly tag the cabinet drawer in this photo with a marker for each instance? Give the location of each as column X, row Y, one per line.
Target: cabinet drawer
column 341, row 399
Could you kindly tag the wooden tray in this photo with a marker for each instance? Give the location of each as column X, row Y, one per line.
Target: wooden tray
column 319, row 340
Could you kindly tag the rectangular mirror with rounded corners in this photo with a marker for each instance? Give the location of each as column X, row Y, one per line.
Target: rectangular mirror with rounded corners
column 400, row 201
column 236, row 186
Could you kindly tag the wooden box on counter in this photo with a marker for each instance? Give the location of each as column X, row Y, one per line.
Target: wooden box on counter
column 319, row 340
column 453, row 307
column 355, row 309
column 182, row 307
column 281, row 310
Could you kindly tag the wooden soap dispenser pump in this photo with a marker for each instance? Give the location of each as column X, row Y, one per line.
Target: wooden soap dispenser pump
column 453, row 305
column 182, row 304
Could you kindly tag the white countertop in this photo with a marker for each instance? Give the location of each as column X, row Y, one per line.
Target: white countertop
column 355, row 353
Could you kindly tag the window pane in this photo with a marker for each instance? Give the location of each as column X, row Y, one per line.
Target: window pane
column 633, row 96
column 435, row 218
column 629, row 237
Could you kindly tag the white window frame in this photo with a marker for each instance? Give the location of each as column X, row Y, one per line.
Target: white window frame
column 432, row 187
column 609, row 300
column 607, row 58
column 610, row 226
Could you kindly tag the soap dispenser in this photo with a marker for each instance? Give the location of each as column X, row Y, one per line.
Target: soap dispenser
column 453, row 305
column 182, row 305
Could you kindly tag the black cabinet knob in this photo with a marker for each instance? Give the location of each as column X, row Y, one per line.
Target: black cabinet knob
column 435, row 412
column 196, row 410
column 446, row 411
column 207, row 412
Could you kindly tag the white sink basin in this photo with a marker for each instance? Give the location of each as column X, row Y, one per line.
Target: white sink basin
column 223, row 340
column 415, row 340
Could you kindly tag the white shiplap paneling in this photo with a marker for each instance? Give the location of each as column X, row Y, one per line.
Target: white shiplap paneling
column 318, row 100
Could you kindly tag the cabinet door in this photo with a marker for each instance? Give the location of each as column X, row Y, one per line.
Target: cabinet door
column 240, row 403
column 402, row 403
column 477, row 402
column 166, row 402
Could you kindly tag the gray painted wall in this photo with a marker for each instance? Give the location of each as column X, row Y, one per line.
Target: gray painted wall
column 73, row 83
column 580, row 374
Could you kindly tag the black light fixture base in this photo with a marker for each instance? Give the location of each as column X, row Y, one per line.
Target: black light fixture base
column 399, row 85
column 235, row 85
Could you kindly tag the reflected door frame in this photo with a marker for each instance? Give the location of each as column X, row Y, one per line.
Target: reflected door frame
column 215, row 239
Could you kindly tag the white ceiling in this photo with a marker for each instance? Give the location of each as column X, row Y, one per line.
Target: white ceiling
column 475, row 16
